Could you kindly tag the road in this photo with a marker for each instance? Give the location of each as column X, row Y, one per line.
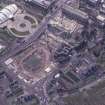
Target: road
column 39, row 87
column 28, row 41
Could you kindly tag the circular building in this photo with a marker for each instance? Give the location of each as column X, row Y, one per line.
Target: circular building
column 22, row 25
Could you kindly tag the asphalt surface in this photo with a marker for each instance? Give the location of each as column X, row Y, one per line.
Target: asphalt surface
column 39, row 87
column 29, row 40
